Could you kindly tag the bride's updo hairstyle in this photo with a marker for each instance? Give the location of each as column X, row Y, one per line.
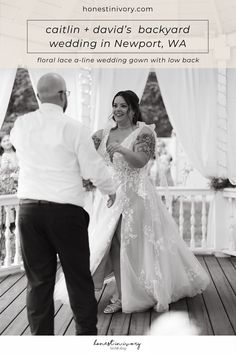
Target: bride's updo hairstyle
column 132, row 101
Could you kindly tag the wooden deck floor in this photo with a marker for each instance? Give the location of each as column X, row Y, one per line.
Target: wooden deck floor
column 214, row 311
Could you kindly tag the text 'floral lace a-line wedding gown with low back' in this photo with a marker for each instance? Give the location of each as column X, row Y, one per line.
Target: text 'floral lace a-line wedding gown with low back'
column 156, row 266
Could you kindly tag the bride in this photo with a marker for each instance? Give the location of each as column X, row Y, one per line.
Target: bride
column 136, row 239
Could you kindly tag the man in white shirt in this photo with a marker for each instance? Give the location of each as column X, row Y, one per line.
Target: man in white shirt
column 55, row 152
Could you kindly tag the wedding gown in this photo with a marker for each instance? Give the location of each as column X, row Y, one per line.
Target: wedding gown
column 156, row 265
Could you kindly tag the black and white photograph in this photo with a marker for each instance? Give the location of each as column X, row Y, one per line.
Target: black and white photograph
column 157, row 180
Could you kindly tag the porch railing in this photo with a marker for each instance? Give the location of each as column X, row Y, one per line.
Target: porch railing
column 229, row 195
column 190, row 208
column 10, row 257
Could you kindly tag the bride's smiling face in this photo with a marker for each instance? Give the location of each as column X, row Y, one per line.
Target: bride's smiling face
column 121, row 109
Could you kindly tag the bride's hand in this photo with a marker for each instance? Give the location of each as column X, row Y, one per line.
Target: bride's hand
column 114, row 147
column 111, row 200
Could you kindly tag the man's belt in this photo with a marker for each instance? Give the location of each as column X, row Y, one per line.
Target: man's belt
column 36, row 201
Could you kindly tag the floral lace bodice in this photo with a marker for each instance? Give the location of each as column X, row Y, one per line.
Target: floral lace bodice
column 124, row 174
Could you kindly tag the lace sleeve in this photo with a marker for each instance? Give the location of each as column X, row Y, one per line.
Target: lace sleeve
column 96, row 140
column 145, row 142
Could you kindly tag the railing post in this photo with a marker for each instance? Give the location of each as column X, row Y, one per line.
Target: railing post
column 181, row 217
column 203, row 220
column 7, row 260
column 12, row 262
column 17, row 257
column 231, row 225
column 230, row 198
column 192, row 220
column 170, row 202
column 217, row 224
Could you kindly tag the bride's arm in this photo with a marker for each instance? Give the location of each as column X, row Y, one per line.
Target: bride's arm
column 143, row 149
column 97, row 138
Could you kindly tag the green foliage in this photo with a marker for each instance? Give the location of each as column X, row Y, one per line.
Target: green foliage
column 153, row 109
column 22, row 99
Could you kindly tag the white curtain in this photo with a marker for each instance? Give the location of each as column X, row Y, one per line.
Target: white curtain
column 231, row 109
column 106, row 83
column 73, row 84
column 190, row 98
column 7, row 77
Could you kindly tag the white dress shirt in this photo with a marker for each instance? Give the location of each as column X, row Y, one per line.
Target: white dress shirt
column 55, row 152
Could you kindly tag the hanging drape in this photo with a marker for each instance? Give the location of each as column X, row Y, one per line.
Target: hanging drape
column 190, row 98
column 106, row 83
column 205, row 131
column 73, row 84
column 7, row 77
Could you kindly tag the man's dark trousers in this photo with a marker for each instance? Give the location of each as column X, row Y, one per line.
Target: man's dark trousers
column 48, row 229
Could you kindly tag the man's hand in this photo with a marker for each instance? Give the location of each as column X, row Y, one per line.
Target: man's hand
column 111, row 200
column 87, row 185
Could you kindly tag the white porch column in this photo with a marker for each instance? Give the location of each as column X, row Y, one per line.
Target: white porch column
column 218, row 227
column 85, row 81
